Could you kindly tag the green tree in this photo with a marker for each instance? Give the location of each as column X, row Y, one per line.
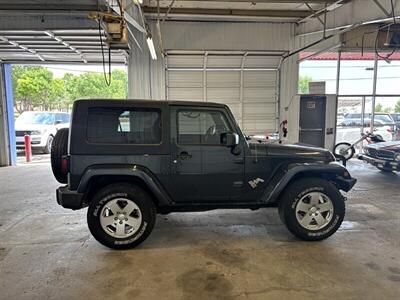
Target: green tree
column 35, row 88
column 303, row 84
column 378, row 108
column 93, row 85
column 397, row 107
column 31, row 86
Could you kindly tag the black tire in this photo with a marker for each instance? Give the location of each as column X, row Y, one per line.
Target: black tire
column 59, row 148
column 349, row 154
column 47, row 148
column 298, row 190
column 126, row 191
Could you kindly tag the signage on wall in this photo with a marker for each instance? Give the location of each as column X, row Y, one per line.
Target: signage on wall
column 311, row 104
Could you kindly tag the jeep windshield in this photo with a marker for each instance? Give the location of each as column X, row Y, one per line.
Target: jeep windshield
column 37, row 118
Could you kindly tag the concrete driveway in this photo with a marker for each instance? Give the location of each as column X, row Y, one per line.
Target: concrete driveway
column 46, row 252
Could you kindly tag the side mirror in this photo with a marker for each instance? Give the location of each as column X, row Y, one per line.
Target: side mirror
column 229, row 139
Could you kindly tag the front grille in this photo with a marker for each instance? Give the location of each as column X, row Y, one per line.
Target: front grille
column 381, row 154
column 22, row 133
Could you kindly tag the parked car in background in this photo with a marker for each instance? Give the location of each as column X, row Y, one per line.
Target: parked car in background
column 41, row 126
column 384, row 156
column 350, row 130
column 396, row 119
column 380, row 119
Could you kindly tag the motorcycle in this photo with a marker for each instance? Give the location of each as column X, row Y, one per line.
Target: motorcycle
column 347, row 150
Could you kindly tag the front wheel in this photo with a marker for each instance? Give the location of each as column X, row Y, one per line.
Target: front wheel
column 47, row 148
column 345, row 150
column 121, row 216
column 312, row 209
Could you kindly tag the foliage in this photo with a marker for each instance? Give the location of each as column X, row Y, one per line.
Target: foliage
column 397, row 107
column 36, row 88
column 303, row 84
column 379, row 108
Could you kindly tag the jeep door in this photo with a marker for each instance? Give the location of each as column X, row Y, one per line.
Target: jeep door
column 202, row 169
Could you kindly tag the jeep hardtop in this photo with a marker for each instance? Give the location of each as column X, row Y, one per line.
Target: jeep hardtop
column 128, row 160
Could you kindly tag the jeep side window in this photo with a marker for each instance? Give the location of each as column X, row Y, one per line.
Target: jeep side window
column 197, row 127
column 124, row 126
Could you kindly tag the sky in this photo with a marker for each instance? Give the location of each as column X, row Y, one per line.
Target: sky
column 60, row 70
column 356, row 77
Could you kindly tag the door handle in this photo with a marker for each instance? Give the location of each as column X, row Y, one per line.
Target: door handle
column 184, row 155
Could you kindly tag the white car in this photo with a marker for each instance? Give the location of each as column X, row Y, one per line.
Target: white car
column 42, row 126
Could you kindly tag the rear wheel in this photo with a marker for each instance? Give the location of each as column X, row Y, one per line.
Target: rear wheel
column 312, row 209
column 121, row 216
column 345, row 150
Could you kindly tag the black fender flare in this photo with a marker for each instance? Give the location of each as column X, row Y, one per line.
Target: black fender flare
column 134, row 171
column 334, row 172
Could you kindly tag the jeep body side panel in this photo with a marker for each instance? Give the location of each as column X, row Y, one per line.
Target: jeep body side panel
column 84, row 154
column 207, row 173
column 264, row 162
column 78, row 141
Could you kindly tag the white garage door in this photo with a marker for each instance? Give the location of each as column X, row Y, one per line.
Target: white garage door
column 247, row 83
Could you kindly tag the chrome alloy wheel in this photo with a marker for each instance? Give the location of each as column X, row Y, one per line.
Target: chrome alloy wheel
column 314, row 211
column 120, row 218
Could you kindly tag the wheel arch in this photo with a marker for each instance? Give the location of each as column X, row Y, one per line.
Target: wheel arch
column 98, row 177
column 334, row 173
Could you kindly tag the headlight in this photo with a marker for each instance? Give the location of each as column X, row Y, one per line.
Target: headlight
column 36, row 132
column 397, row 157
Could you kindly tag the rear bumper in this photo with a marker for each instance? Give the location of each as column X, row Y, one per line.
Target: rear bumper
column 69, row 199
column 380, row 163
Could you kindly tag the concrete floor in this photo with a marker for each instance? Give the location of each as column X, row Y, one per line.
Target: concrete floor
column 46, row 252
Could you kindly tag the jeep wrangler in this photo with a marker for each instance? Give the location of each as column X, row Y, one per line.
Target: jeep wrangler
column 128, row 160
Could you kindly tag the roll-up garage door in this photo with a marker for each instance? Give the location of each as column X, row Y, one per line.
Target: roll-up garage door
column 247, row 83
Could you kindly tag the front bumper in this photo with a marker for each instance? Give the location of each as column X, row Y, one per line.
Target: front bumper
column 69, row 199
column 36, row 141
column 346, row 184
column 380, row 163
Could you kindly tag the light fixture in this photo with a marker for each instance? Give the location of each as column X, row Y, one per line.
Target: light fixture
column 150, row 44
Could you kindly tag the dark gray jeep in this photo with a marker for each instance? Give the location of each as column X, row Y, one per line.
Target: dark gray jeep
column 129, row 160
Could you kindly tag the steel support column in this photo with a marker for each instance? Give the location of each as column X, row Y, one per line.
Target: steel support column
column 8, row 151
column 374, row 92
column 337, row 86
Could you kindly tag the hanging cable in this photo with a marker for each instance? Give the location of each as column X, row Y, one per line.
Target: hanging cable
column 395, row 47
column 107, row 77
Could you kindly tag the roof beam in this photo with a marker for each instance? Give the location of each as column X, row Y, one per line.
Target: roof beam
column 265, row 1
column 52, row 6
column 16, row 44
column 66, row 44
column 230, row 12
column 354, row 12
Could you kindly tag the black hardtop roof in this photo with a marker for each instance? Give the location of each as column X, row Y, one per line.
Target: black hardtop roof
column 110, row 102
